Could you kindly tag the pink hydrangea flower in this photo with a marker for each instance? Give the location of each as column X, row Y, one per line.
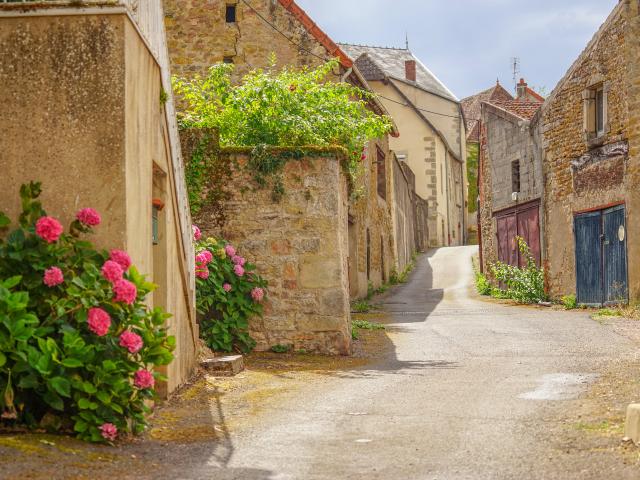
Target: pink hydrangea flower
column 207, row 255
column 89, row 217
column 121, row 258
column 125, row 291
column 53, row 276
column 197, row 234
column 257, row 294
column 99, row 321
column 201, row 259
column 109, row 431
column 202, row 273
column 112, row 271
column 49, row 229
column 238, row 270
column 143, row 379
column 230, row 250
column 131, row 341
column 226, row 287
column 238, row 260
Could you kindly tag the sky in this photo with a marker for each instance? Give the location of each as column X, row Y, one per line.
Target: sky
column 468, row 44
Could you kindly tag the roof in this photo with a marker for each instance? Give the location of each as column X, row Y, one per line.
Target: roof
column 382, row 61
column 471, row 108
column 331, row 47
column 521, row 109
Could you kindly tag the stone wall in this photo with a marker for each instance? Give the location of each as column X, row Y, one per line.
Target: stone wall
column 199, row 36
column 410, row 216
column 299, row 245
column 371, row 238
column 505, row 138
column 83, row 115
column 574, row 184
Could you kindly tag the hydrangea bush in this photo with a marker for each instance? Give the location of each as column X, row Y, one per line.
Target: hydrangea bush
column 229, row 294
column 78, row 347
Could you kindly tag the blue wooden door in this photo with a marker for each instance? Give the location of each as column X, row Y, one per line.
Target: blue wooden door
column 614, row 250
column 589, row 277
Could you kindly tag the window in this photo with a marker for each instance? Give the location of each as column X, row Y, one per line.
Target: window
column 382, row 173
column 154, row 225
column 227, row 59
column 231, row 14
column 595, row 113
column 515, row 176
column 599, row 111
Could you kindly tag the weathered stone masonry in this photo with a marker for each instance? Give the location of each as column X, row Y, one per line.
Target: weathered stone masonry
column 579, row 173
column 299, row 245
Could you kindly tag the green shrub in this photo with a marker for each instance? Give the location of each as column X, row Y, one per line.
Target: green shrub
column 228, row 294
column 366, row 325
column 569, row 302
column 289, row 108
column 281, row 348
column 526, row 284
column 483, row 286
column 78, row 346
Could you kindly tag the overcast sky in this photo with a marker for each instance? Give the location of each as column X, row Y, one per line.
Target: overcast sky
column 467, row 44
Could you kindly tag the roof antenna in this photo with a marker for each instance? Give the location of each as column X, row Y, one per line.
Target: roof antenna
column 515, row 68
column 406, row 36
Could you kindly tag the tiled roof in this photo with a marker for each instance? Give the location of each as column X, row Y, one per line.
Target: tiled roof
column 391, row 62
column 522, row 109
column 471, row 107
column 302, row 16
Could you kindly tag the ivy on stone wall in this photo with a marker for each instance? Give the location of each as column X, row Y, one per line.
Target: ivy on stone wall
column 269, row 108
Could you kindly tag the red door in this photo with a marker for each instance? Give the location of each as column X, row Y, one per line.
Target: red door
column 523, row 221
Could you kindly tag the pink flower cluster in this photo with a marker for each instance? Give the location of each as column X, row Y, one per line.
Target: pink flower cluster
column 121, row 258
column 238, row 260
column 143, row 379
column 131, row 341
column 49, row 229
column 99, row 321
column 257, row 294
column 197, row 234
column 202, row 260
column 109, row 431
column 112, row 271
column 125, row 291
column 238, row 270
column 226, row 287
column 229, row 250
column 53, row 276
column 89, row 217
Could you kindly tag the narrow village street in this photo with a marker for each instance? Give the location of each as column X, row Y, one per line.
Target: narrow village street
column 459, row 388
column 470, row 390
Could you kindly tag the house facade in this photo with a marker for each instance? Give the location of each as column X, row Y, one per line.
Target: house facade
column 84, row 115
column 591, row 138
column 432, row 138
column 510, row 181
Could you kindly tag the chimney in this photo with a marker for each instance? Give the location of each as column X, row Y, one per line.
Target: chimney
column 410, row 70
column 522, row 90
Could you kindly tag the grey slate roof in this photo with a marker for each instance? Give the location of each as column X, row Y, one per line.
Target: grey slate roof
column 391, row 62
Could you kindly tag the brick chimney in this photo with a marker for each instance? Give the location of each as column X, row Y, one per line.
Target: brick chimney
column 410, row 70
column 522, row 90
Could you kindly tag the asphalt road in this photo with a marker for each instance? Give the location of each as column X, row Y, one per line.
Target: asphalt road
column 470, row 390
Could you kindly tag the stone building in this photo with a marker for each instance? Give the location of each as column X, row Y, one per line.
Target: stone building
column 84, row 115
column 432, row 134
column 510, row 179
column 247, row 34
column 471, row 109
column 591, row 138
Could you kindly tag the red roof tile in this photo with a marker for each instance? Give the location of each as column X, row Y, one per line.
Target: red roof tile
column 524, row 110
column 331, row 47
column 471, row 107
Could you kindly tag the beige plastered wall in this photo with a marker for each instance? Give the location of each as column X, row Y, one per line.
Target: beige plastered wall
column 84, row 117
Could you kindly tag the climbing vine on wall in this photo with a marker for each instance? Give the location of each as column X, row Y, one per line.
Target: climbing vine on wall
column 270, row 108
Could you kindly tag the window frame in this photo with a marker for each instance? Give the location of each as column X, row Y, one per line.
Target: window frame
column 516, row 176
column 231, row 12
